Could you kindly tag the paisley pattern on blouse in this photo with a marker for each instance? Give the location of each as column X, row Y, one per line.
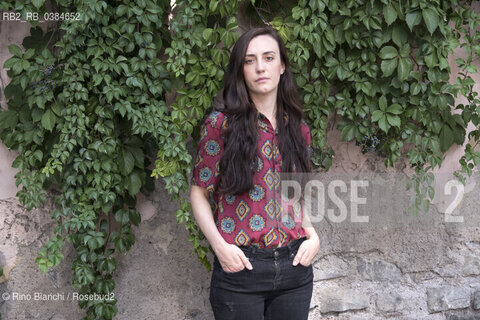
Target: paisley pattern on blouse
column 256, row 217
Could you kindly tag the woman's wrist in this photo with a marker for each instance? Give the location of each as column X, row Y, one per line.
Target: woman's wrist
column 218, row 245
column 311, row 233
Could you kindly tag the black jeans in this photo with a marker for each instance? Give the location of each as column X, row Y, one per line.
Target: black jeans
column 273, row 290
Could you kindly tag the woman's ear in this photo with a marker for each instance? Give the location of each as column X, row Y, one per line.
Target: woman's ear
column 283, row 69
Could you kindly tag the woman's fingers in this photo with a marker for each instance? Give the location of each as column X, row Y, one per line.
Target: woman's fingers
column 235, row 260
column 246, row 262
column 299, row 257
column 305, row 253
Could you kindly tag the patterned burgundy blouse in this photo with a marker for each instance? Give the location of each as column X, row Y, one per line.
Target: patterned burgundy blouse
column 254, row 218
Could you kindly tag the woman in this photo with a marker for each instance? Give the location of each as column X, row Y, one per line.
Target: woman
column 263, row 254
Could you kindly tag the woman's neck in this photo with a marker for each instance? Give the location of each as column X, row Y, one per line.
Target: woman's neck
column 266, row 105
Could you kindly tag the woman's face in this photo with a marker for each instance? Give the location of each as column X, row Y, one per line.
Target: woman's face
column 262, row 66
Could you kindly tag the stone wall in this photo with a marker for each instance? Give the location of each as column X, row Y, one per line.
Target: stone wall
column 412, row 269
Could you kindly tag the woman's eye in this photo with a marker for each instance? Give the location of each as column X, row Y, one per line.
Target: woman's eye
column 269, row 58
column 249, row 61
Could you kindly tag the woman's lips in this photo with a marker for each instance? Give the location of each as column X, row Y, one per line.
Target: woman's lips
column 261, row 80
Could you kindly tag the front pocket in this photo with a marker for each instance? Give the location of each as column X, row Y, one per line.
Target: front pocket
column 233, row 273
column 218, row 265
column 301, row 265
column 292, row 256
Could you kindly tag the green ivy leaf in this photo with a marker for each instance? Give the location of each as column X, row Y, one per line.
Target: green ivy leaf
column 413, row 18
column 138, row 155
column 399, row 36
column 388, row 66
column 134, row 183
column 382, row 123
column 8, row 119
column 29, row 53
column 389, row 13
column 126, row 162
column 38, row 3
column 48, row 120
column 446, row 138
column 395, row 109
column 377, row 115
column 121, row 10
column 15, row 50
column 394, row 120
column 382, row 103
column 404, row 67
column 348, row 132
column 111, row 265
column 388, row 52
column 430, row 17
column 9, row 63
column 99, row 310
column 459, row 135
column 135, row 217
column 207, row 34
column 133, row 82
column 430, row 60
column 122, row 216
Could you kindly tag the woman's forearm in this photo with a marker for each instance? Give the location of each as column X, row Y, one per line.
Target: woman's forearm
column 310, row 232
column 204, row 217
column 308, row 227
column 307, row 223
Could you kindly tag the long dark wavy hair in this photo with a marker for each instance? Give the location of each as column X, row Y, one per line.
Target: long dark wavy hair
column 238, row 162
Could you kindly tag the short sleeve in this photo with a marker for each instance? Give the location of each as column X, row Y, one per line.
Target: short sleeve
column 209, row 151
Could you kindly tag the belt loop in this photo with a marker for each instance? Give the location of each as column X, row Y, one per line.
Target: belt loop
column 290, row 245
column 253, row 249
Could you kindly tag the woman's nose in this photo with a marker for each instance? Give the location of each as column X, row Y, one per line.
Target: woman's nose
column 260, row 66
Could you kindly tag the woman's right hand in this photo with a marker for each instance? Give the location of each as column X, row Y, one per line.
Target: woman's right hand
column 232, row 258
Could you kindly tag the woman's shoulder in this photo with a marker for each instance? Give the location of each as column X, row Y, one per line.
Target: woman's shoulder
column 217, row 120
column 304, row 125
column 304, row 122
column 305, row 131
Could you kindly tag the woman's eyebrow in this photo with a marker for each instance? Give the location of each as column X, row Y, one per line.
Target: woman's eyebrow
column 267, row 52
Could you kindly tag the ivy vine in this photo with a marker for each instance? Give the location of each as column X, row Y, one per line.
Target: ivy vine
column 382, row 66
column 87, row 109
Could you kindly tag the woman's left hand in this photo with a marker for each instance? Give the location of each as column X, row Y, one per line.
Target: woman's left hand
column 307, row 251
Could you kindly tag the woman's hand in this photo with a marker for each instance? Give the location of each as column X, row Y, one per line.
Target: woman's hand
column 232, row 258
column 307, row 251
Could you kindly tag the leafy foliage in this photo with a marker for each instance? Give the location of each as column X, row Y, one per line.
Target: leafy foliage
column 382, row 66
column 88, row 116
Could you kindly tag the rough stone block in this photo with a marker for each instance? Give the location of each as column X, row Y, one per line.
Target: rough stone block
column 331, row 267
column 389, row 303
column 476, row 300
column 326, row 275
column 379, row 271
column 447, row 298
column 462, row 316
column 340, row 300
column 471, row 266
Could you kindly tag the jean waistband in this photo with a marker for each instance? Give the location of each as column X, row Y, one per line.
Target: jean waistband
column 252, row 252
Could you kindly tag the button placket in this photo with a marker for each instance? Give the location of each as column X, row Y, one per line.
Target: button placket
column 275, row 170
column 275, row 253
